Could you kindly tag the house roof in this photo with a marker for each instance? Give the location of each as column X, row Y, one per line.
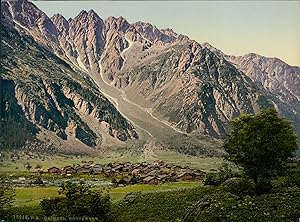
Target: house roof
column 68, row 168
column 184, row 173
column 160, row 177
column 53, row 168
column 148, row 178
column 153, row 173
column 83, row 169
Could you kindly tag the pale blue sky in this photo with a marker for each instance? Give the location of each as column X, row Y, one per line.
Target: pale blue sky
column 269, row 28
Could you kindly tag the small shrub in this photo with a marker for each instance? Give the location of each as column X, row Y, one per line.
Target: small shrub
column 239, row 186
column 79, row 201
column 131, row 197
column 38, row 181
column 216, row 179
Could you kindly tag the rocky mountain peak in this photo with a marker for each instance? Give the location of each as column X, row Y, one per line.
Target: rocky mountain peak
column 168, row 30
column 218, row 52
column 26, row 17
column 263, row 59
column 87, row 19
column 93, row 15
column 82, row 13
column 87, row 16
column 251, row 54
column 119, row 24
column 61, row 23
column 150, row 32
column 171, row 32
column 153, row 34
column 58, row 16
column 91, row 12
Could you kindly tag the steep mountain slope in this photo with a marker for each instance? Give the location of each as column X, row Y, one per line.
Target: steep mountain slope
column 272, row 74
column 46, row 97
column 193, row 89
column 163, row 82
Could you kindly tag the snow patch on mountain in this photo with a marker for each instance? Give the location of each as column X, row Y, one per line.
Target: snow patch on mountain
column 125, row 50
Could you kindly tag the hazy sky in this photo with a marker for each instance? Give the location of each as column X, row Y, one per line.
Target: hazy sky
column 269, row 28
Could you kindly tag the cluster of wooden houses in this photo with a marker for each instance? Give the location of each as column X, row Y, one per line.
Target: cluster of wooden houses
column 131, row 173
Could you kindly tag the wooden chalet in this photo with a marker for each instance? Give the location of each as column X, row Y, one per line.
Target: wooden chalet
column 185, row 176
column 54, row 170
column 151, row 180
column 68, row 170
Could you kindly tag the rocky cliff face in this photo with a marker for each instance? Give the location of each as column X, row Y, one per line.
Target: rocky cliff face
column 27, row 18
column 81, row 38
column 15, row 128
column 51, row 96
column 281, row 80
column 195, row 88
column 273, row 74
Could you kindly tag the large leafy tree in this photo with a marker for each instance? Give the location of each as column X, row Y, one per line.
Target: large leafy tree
column 261, row 144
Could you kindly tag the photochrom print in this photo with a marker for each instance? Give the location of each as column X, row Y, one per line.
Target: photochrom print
column 150, row 111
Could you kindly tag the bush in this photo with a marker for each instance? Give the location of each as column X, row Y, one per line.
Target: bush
column 131, row 197
column 216, row 179
column 239, row 186
column 224, row 206
column 293, row 177
column 293, row 180
column 38, row 181
column 78, row 201
column 6, row 199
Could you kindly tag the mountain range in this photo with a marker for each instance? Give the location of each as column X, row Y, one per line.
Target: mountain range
column 89, row 83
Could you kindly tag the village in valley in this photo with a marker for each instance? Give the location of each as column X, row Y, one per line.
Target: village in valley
column 132, row 173
column 34, row 170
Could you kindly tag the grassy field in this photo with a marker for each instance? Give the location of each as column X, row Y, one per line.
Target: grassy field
column 31, row 196
column 159, row 206
column 206, row 164
column 119, row 193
